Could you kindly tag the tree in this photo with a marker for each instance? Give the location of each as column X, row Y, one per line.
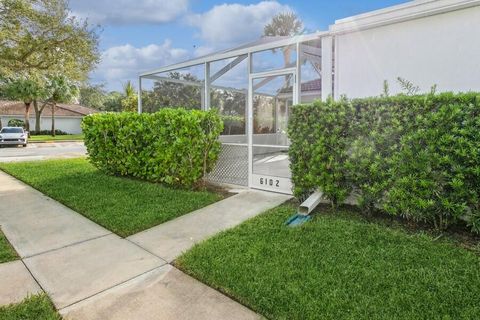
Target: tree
column 60, row 89
column 231, row 105
column 41, row 36
column 16, row 123
column 130, row 100
column 3, row 85
column 26, row 90
column 284, row 24
column 113, row 101
column 93, row 96
column 38, row 113
column 173, row 94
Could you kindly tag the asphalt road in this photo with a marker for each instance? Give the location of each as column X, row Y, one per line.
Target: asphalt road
column 42, row 151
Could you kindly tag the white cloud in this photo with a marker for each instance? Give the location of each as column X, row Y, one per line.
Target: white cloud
column 220, row 27
column 128, row 11
column 122, row 63
column 229, row 24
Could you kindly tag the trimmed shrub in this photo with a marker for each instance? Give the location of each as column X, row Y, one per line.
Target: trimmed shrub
column 378, row 125
column 16, row 123
column 319, row 151
column 173, row 146
column 412, row 156
column 437, row 169
column 48, row 132
column 233, row 125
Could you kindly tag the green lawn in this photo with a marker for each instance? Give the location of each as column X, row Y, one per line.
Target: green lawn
column 338, row 266
column 124, row 206
column 37, row 307
column 7, row 253
column 78, row 137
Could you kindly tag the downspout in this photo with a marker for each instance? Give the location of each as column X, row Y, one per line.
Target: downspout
column 311, row 203
column 304, row 210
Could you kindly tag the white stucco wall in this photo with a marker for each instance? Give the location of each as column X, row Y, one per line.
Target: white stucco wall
column 67, row 124
column 442, row 49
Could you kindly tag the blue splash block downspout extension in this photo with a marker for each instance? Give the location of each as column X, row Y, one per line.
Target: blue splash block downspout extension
column 297, row 220
column 304, row 210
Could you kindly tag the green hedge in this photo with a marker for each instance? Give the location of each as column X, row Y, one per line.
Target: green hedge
column 49, row 132
column 318, row 150
column 412, row 156
column 16, row 123
column 173, row 146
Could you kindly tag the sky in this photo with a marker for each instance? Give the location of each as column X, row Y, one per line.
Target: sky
column 140, row 35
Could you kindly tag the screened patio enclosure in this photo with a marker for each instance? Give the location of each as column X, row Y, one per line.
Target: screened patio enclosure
column 254, row 87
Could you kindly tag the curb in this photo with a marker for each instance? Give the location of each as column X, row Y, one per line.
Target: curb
column 54, row 141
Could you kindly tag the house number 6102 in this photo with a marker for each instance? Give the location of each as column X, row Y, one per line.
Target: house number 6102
column 270, row 182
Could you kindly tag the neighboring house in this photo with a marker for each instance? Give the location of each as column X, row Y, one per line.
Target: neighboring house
column 68, row 117
column 310, row 90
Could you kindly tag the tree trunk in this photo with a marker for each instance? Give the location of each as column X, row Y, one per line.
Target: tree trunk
column 27, row 117
column 286, row 60
column 287, row 53
column 53, row 118
column 38, row 113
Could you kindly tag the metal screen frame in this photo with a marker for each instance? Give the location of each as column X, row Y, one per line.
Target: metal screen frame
column 231, row 173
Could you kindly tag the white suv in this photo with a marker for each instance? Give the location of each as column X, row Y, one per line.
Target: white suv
column 13, row 136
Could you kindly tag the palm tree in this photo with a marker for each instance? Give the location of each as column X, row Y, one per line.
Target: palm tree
column 284, row 24
column 129, row 89
column 27, row 90
column 130, row 100
column 60, row 89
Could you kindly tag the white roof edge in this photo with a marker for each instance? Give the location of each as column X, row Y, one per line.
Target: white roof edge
column 399, row 13
column 234, row 53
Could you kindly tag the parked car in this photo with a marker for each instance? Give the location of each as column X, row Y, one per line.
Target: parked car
column 13, row 136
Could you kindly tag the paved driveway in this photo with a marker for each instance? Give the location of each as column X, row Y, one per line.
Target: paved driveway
column 42, row 151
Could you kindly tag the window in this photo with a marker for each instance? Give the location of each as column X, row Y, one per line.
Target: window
column 12, row 130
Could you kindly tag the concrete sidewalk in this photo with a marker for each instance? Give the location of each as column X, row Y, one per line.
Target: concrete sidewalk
column 35, row 223
column 90, row 273
column 170, row 239
column 16, row 283
column 70, row 257
column 163, row 293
